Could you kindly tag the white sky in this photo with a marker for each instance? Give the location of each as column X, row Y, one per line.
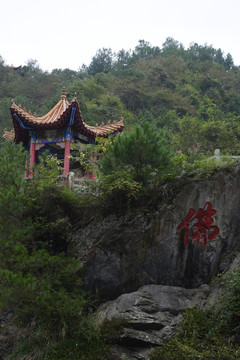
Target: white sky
column 66, row 34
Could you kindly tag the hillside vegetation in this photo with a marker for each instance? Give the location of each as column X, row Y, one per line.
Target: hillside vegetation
column 193, row 93
column 45, row 313
column 178, row 104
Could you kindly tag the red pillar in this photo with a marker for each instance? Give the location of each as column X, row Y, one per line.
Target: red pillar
column 32, row 155
column 94, row 159
column 93, row 177
column 91, row 174
column 26, row 172
column 66, row 157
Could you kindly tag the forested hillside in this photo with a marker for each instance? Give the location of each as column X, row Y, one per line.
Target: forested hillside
column 64, row 250
column 193, row 93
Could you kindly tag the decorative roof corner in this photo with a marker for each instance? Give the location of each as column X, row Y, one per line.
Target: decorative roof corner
column 9, row 135
column 63, row 95
column 58, row 118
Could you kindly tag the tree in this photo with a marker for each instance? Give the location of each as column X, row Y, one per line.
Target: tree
column 141, row 152
column 123, row 60
column 101, row 62
column 12, row 188
column 228, row 64
column 172, row 47
column 5, row 118
column 144, row 50
column 65, row 76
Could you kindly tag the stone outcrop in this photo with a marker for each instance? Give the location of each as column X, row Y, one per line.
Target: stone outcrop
column 121, row 254
column 151, row 316
column 140, row 260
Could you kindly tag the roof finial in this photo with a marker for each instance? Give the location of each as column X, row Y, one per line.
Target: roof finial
column 63, row 95
column 75, row 97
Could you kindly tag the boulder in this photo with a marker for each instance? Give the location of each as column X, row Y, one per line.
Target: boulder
column 151, row 315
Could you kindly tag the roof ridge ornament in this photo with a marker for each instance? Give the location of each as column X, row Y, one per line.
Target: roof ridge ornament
column 63, row 95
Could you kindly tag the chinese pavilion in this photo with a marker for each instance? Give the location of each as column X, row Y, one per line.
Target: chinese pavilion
column 56, row 130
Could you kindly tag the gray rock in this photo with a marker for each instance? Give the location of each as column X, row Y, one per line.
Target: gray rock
column 217, row 288
column 152, row 315
column 153, row 305
column 131, row 352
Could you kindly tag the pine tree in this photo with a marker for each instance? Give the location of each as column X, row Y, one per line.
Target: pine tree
column 142, row 152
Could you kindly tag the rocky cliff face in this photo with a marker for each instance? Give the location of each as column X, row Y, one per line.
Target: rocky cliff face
column 152, row 314
column 147, row 268
column 143, row 262
column 121, row 254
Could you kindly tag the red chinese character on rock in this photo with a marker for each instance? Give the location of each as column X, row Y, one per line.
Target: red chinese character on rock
column 202, row 226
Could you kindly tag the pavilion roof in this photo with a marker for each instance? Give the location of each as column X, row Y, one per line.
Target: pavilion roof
column 58, row 118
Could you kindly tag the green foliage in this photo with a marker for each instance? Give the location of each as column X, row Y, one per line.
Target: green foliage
column 39, row 285
column 128, row 167
column 43, row 289
column 12, row 190
column 111, row 330
column 50, row 309
column 144, row 50
column 118, row 190
column 195, row 137
column 97, row 104
column 89, row 345
column 208, row 335
column 141, row 152
column 193, row 93
column 229, row 317
column 101, row 62
column 45, row 174
column 104, row 109
column 4, row 112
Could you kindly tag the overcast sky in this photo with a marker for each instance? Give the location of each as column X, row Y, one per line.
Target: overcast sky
column 66, row 34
